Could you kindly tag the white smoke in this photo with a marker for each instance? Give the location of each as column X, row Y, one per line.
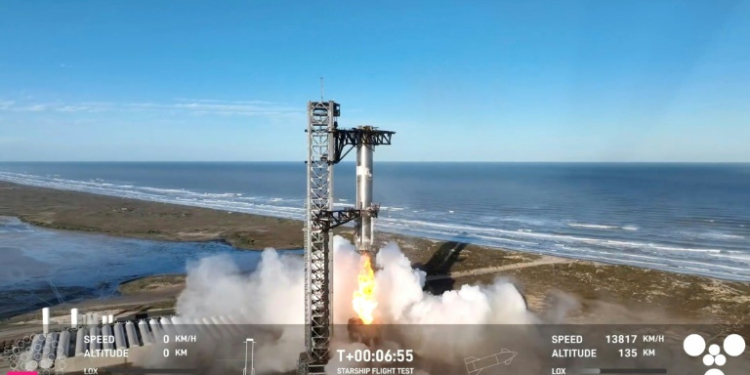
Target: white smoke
column 271, row 295
column 403, row 301
column 274, row 294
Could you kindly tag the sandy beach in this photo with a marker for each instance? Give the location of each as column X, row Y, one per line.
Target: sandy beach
column 557, row 289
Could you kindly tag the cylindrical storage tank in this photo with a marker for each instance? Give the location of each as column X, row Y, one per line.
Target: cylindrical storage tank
column 63, row 345
column 200, row 327
column 156, row 330
column 132, row 335
column 213, row 323
column 145, row 334
column 208, row 327
column 166, row 325
column 184, row 326
column 45, row 320
column 80, row 344
column 178, row 326
column 233, row 318
column 107, row 333
column 219, row 326
column 229, row 325
column 31, row 365
column 37, row 347
column 94, row 331
column 50, row 350
column 196, row 325
column 73, row 318
column 119, row 336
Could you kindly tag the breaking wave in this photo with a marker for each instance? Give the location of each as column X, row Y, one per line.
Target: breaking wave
column 718, row 254
column 602, row 226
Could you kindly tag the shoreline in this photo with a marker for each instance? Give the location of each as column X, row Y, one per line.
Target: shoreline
column 230, row 234
column 593, row 289
column 124, row 217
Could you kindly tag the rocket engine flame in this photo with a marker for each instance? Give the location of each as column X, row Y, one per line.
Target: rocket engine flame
column 364, row 297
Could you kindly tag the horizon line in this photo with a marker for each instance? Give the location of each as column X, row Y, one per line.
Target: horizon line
column 382, row 161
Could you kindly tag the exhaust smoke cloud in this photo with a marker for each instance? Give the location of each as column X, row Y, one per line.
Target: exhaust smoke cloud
column 274, row 294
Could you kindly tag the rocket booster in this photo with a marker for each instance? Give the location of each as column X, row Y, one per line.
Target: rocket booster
column 364, row 227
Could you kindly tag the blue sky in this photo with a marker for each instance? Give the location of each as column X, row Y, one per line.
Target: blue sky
column 457, row 80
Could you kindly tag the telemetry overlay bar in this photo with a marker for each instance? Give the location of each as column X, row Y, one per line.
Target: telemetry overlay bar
column 133, row 370
column 588, row 371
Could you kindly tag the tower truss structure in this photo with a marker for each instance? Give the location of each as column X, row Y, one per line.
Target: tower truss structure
column 327, row 145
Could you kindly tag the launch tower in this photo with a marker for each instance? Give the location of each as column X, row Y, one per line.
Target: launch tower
column 328, row 145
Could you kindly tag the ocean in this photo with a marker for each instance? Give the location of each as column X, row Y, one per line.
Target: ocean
column 688, row 218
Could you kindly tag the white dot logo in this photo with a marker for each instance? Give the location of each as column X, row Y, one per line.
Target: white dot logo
column 734, row 345
column 694, row 345
column 720, row 360
column 708, row 360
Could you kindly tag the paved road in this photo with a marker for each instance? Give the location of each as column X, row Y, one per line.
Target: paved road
column 490, row 270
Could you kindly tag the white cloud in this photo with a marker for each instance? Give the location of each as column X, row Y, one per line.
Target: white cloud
column 73, row 108
column 254, row 109
column 198, row 107
column 257, row 102
column 33, row 108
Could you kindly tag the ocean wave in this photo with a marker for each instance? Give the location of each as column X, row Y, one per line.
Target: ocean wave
column 668, row 248
column 513, row 232
column 742, row 258
column 714, row 235
column 592, row 226
column 536, row 222
column 603, row 226
column 387, row 208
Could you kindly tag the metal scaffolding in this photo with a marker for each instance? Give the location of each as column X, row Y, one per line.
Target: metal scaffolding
column 318, row 258
column 326, row 147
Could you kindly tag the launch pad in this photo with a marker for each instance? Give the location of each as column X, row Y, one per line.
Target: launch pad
column 327, row 146
column 368, row 334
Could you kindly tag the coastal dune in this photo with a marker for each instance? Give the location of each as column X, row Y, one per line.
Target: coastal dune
column 70, row 210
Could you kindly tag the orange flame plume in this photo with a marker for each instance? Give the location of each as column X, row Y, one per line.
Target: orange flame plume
column 364, row 298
